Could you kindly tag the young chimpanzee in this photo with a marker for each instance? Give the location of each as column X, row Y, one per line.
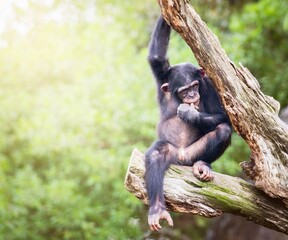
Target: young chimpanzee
column 193, row 129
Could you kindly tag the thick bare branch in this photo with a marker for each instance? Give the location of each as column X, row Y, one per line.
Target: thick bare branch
column 185, row 193
column 253, row 115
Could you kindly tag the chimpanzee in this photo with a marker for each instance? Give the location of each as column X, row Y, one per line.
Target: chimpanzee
column 193, row 130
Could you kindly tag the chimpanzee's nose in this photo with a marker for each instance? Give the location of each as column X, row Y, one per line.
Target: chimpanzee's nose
column 191, row 94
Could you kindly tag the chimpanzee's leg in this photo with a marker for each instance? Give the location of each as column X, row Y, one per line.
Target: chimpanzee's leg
column 158, row 158
column 206, row 150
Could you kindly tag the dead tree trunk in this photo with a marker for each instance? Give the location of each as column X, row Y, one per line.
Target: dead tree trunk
column 254, row 116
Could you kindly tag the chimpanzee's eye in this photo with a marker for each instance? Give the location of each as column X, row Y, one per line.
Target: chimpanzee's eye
column 182, row 94
column 195, row 87
column 185, row 92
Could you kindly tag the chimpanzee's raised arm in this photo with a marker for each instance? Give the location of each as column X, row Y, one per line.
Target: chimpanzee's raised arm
column 158, row 49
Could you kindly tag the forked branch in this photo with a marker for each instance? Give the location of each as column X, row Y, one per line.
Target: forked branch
column 254, row 115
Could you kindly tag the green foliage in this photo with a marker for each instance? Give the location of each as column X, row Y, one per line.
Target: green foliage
column 263, row 47
column 65, row 134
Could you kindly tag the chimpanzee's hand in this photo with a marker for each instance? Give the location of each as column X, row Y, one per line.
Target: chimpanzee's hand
column 202, row 171
column 187, row 113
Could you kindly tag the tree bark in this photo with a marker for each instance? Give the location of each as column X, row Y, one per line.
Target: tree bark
column 253, row 115
column 185, row 193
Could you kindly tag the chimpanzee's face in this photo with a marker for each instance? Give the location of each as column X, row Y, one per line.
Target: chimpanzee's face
column 189, row 94
column 183, row 82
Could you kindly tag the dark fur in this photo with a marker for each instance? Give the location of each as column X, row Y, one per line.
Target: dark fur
column 204, row 135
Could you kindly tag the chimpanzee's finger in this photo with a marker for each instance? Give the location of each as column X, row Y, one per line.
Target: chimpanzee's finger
column 208, row 176
column 205, row 171
column 196, row 171
column 169, row 220
column 155, row 224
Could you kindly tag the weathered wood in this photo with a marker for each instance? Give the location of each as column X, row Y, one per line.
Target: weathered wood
column 254, row 116
column 185, row 193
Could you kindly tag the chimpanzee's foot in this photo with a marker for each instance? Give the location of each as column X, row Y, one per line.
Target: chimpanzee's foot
column 202, row 171
column 153, row 219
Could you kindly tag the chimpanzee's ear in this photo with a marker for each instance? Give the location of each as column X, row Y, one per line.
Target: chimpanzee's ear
column 164, row 87
column 202, row 72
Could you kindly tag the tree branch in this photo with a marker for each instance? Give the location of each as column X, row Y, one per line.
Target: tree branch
column 185, row 193
column 254, row 116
